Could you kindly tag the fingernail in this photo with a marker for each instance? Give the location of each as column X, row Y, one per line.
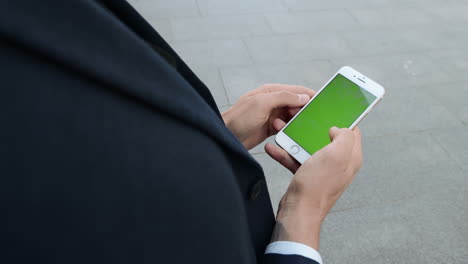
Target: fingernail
column 303, row 98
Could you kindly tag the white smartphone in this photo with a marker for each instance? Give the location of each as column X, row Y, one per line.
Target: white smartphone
column 343, row 102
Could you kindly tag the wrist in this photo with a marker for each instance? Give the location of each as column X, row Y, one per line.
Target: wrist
column 227, row 119
column 298, row 222
column 298, row 200
column 234, row 126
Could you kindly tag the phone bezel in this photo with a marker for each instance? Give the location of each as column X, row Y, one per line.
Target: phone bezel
column 358, row 78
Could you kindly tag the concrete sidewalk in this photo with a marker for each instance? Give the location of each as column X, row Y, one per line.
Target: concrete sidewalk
column 409, row 203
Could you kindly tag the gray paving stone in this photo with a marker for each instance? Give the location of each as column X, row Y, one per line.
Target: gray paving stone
column 425, row 229
column 213, row 52
column 454, row 14
column 223, row 108
column 154, row 9
column 240, row 80
column 405, row 111
column 451, row 36
column 398, row 167
column 405, row 39
column 300, row 5
column 212, row 79
column 163, row 26
column 318, row 21
column 223, row 7
column 220, row 27
column 297, row 48
column 391, row 17
column 133, row 2
column 453, row 62
column 448, row 94
column 401, row 71
column 390, row 41
column 260, row 149
column 455, row 142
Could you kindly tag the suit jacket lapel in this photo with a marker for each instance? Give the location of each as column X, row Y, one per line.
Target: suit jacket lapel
column 85, row 38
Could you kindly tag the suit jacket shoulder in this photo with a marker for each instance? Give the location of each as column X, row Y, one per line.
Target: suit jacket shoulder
column 104, row 158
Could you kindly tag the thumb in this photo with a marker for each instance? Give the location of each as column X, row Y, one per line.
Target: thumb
column 343, row 137
column 333, row 133
column 283, row 98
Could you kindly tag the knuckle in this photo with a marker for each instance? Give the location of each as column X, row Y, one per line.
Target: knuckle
column 348, row 133
column 269, row 87
column 256, row 101
column 285, row 94
column 283, row 157
column 283, row 97
column 348, row 136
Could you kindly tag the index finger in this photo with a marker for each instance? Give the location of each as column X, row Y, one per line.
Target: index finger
column 271, row 88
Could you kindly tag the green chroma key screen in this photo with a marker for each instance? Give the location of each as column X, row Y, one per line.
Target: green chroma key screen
column 339, row 104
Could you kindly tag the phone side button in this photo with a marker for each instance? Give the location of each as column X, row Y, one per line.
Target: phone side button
column 294, row 149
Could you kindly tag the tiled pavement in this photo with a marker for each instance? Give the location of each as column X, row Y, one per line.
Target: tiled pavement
column 409, row 203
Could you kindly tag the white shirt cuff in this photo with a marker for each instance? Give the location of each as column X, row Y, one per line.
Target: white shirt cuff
column 293, row 248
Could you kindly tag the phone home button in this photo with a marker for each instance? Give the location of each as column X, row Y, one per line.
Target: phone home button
column 294, row 149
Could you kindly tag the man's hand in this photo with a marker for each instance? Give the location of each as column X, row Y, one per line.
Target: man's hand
column 253, row 118
column 316, row 186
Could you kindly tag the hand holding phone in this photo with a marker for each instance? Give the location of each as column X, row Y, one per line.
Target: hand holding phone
column 343, row 102
column 327, row 168
column 316, row 187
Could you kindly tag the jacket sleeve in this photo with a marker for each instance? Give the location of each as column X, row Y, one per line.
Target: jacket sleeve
column 287, row 259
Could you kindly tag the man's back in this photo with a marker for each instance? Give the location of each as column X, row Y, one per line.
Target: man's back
column 109, row 154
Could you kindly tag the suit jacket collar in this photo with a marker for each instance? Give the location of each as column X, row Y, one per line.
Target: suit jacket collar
column 87, row 39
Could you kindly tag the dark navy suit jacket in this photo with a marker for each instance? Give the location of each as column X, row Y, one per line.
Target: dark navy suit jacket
column 113, row 151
